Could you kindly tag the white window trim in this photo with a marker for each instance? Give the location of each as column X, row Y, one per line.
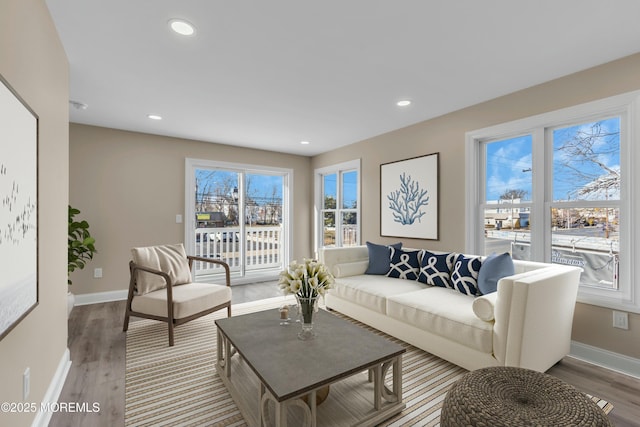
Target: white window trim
column 627, row 297
column 351, row 165
column 190, row 166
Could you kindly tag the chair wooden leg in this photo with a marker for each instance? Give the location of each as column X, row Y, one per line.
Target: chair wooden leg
column 125, row 327
column 229, row 310
column 170, row 334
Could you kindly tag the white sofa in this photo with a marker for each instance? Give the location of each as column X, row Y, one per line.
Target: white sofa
column 527, row 322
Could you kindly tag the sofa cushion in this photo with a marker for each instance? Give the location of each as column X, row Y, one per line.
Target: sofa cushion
column 464, row 276
column 404, row 264
column 379, row 256
column 371, row 291
column 494, row 268
column 444, row 312
column 435, row 269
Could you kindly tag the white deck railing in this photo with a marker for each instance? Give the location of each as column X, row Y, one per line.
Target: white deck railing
column 262, row 247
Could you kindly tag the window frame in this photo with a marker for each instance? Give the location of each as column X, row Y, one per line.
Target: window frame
column 191, row 164
column 627, row 106
column 337, row 169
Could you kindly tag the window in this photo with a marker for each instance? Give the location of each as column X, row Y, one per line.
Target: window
column 237, row 213
column 337, row 205
column 558, row 188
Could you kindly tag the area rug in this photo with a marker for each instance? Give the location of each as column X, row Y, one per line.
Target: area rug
column 179, row 386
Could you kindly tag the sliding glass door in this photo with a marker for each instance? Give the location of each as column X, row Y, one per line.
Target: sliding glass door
column 238, row 214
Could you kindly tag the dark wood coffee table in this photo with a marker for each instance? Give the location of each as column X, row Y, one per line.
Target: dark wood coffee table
column 283, row 370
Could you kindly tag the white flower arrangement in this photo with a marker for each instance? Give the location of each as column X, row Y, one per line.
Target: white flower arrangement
column 306, row 280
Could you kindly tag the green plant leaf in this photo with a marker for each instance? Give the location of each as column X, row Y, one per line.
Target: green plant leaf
column 81, row 245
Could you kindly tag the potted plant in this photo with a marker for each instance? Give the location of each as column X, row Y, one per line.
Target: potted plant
column 81, row 248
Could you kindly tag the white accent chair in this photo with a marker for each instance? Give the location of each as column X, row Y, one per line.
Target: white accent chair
column 161, row 287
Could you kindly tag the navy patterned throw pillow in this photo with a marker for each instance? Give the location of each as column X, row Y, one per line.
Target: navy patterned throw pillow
column 464, row 275
column 435, row 269
column 404, row 264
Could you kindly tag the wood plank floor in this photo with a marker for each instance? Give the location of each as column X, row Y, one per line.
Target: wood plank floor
column 97, row 346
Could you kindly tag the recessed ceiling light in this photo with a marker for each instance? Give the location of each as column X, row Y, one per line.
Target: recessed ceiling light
column 182, row 27
column 154, row 117
column 403, row 103
column 305, row 142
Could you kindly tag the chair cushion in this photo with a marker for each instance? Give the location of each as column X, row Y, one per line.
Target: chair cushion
column 188, row 299
column 170, row 259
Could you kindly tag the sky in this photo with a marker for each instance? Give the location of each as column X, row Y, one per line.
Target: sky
column 509, row 162
column 262, row 186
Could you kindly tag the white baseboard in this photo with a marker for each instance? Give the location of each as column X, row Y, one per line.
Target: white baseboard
column 606, row 359
column 98, row 297
column 53, row 391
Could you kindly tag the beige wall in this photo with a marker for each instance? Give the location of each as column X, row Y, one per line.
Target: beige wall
column 130, row 186
column 446, row 135
column 33, row 61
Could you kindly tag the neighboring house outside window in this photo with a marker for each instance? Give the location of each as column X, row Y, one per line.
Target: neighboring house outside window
column 559, row 188
column 337, row 195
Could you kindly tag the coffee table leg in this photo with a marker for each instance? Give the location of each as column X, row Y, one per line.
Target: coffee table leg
column 281, row 408
column 313, row 406
column 378, row 384
column 223, row 353
column 397, row 378
column 380, row 389
column 260, row 403
column 219, row 356
column 281, row 414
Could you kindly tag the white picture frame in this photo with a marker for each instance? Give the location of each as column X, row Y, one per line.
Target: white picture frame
column 409, row 198
column 18, row 209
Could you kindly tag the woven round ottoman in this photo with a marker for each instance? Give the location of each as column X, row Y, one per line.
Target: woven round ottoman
column 507, row 396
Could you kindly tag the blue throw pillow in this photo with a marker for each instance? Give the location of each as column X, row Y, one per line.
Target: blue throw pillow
column 494, row 268
column 464, row 276
column 404, row 264
column 379, row 256
column 435, row 269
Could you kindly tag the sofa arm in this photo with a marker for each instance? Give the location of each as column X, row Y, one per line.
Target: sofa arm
column 534, row 317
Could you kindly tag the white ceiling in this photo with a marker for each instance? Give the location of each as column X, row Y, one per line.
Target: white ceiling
column 269, row 74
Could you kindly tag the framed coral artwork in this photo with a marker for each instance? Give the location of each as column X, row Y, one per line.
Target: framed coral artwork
column 409, row 198
column 18, row 209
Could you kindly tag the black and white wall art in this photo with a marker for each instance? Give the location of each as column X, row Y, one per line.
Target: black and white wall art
column 409, row 198
column 18, row 209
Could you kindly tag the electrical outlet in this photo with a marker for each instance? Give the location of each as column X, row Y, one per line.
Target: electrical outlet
column 178, row 219
column 620, row 320
column 26, row 383
column 97, row 273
